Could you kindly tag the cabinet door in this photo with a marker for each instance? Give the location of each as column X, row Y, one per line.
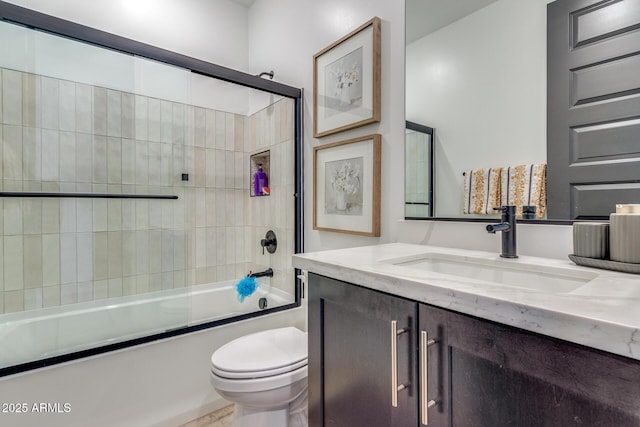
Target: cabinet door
column 489, row 374
column 351, row 359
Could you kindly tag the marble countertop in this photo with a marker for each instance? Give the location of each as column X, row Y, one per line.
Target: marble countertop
column 602, row 311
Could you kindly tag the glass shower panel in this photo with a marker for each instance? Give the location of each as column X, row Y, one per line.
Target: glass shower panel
column 234, row 125
column 93, row 234
column 126, row 197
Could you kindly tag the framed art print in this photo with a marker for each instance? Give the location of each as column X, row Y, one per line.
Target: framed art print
column 346, row 81
column 346, row 186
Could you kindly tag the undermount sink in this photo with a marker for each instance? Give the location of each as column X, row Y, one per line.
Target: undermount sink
column 501, row 272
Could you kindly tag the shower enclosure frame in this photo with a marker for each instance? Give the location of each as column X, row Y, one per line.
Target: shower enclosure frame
column 42, row 22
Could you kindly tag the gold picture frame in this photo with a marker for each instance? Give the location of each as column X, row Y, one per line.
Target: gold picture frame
column 346, row 81
column 346, row 186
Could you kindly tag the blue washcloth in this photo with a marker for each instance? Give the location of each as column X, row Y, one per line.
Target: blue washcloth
column 246, row 287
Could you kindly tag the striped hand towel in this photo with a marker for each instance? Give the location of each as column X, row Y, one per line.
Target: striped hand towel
column 482, row 190
column 525, row 185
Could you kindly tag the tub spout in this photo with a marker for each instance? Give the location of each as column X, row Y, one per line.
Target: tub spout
column 267, row 273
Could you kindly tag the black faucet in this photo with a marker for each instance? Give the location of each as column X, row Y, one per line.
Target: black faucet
column 508, row 228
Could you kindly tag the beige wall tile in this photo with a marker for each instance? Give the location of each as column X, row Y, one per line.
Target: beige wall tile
column 178, row 131
column 12, row 97
column 67, row 106
column 220, row 133
column 166, row 121
column 31, row 154
column 50, row 216
column 31, row 85
column 100, row 215
column 68, row 215
column 99, row 159
column 99, row 111
column 210, row 202
column 13, row 263
column 100, row 289
column 155, row 251
column 229, row 129
column 84, row 157
column 210, row 167
column 69, row 294
column 114, row 160
column 33, row 299
column 115, row 254
column 114, row 113
column 50, row 103
column 142, row 252
column 220, row 169
column 129, row 285
column 85, row 291
column 128, row 115
column 13, row 301
column 100, row 256
column 12, row 152
column 68, row 258
column 142, row 163
column 13, row 215
column 114, row 214
column 115, row 288
column 84, row 108
column 141, row 117
column 210, row 130
column 51, row 296
column 153, row 120
column 85, row 244
column 32, row 261
column 154, row 163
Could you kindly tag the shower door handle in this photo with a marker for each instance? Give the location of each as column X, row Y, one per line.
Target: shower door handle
column 395, row 388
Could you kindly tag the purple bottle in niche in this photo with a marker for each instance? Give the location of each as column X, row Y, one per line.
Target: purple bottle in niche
column 259, row 181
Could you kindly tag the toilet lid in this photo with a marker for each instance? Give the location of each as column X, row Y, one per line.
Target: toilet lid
column 261, row 354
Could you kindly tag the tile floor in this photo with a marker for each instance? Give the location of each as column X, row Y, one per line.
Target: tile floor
column 220, row 418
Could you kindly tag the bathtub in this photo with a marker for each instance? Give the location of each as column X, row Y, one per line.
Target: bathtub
column 39, row 334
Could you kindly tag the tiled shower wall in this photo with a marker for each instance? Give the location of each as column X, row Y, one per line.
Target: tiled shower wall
column 62, row 136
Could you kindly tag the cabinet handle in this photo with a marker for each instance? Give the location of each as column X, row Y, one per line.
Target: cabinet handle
column 395, row 388
column 425, row 403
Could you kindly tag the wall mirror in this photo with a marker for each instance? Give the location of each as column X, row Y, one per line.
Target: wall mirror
column 478, row 73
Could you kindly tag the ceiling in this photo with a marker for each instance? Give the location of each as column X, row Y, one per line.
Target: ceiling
column 426, row 16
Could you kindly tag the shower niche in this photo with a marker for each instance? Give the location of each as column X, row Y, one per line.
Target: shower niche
column 260, row 173
column 127, row 181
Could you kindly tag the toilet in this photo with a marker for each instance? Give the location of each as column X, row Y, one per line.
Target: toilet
column 265, row 375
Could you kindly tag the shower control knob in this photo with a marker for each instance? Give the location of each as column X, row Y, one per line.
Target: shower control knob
column 269, row 242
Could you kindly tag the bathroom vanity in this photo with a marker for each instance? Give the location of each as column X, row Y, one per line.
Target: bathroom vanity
column 409, row 335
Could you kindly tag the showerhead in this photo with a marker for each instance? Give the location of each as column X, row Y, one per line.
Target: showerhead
column 264, row 73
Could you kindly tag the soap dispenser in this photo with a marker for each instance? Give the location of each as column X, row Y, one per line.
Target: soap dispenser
column 259, row 181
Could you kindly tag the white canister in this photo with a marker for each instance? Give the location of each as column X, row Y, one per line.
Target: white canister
column 624, row 237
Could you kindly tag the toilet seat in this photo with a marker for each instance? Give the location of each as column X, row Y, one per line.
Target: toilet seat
column 261, row 354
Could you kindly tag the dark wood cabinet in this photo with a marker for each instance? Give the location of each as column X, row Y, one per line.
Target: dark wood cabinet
column 479, row 373
column 350, row 360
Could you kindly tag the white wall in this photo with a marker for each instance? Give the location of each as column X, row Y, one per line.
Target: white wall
column 284, row 36
column 481, row 83
column 211, row 30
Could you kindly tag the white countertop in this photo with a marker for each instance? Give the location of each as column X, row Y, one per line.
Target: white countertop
column 604, row 313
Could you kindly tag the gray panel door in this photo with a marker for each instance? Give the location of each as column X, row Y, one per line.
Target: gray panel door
column 593, row 107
